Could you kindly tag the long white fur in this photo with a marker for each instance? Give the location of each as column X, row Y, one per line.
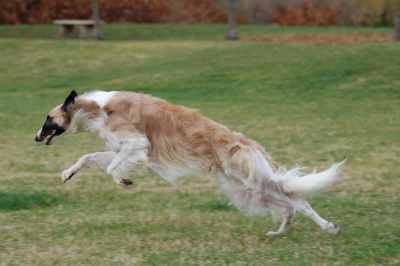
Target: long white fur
column 100, row 97
column 307, row 184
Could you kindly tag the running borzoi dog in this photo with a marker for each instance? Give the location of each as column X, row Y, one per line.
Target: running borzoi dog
column 143, row 132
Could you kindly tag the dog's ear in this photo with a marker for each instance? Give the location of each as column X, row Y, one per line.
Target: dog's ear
column 69, row 101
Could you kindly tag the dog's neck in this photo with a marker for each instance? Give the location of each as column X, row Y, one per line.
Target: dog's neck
column 82, row 121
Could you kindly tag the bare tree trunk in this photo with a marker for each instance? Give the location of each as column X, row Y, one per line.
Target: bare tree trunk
column 397, row 23
column 232, row 33
column 98, row 34
column 397, row 29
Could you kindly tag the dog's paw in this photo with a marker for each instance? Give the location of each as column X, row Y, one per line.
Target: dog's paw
column 126, row 183
column 272, row 233
column 332, row 228
column 66, row 175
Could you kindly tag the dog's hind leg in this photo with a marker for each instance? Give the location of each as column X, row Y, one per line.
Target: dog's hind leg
column 98, row 158
column 304, row 207
column 287, row 213
column 252, row 202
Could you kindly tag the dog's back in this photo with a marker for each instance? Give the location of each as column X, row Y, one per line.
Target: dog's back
column 182, row 141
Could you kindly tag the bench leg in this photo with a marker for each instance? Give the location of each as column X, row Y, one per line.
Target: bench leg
column 66, row 30
column 86, row 31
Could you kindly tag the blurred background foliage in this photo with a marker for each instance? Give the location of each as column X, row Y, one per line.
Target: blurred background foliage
column 288, row 12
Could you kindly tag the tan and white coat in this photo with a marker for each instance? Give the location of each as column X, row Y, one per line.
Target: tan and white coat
column 144, row 132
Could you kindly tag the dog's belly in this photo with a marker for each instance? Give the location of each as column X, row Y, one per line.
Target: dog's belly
column 171, row 172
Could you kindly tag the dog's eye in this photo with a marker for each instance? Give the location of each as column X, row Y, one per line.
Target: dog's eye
column 49, row 120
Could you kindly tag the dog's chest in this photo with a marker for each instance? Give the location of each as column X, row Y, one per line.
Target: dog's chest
column 113, row 143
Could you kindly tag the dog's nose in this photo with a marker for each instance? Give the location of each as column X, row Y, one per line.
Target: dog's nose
column 38, row 139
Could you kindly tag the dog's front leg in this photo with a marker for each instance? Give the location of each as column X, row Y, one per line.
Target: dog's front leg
column 133, row 153
column 98, row 158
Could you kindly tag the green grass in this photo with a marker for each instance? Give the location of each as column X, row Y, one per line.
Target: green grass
column 178, row 32
column 307, row 104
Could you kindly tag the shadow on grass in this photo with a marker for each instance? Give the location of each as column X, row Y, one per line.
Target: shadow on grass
column 23, row 201
column 213, row 205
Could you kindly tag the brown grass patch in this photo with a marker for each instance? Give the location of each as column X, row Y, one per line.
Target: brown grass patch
column 330, row 39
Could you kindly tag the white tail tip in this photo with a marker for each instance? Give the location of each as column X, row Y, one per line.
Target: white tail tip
column 313, row 183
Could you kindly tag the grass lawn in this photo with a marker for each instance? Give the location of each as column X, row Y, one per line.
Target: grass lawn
column 306, row 104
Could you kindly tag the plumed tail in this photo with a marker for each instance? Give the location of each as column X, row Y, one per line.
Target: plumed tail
column 293, row 181
column 250, row 177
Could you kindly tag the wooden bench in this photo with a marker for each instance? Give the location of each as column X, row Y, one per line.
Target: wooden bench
column 67, row 27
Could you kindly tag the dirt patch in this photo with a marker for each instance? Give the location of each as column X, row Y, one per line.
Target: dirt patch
column 330, row 39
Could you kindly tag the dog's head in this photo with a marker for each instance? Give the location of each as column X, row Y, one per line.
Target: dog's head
column 57, row 121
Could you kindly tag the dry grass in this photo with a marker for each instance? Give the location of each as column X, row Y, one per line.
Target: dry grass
column 330, row 39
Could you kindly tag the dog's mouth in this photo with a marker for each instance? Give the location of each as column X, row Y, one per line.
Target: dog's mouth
column 48, row 136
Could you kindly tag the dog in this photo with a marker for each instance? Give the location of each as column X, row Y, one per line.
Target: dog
column 143, row 132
